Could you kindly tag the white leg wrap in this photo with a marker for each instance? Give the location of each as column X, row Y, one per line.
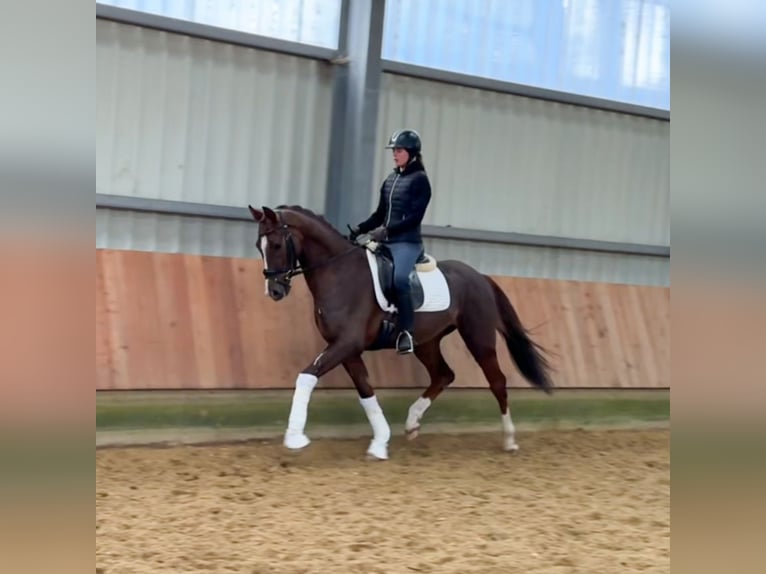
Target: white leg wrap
column 381, row 431
column 510, row 432
column 295, row 438
column 416, row 412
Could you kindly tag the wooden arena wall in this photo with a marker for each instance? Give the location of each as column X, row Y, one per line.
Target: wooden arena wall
column 177, row 321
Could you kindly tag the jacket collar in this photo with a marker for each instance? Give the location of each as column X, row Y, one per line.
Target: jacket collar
column 411, row 167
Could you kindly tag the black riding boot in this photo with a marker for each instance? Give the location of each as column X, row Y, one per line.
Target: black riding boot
column 404, row 342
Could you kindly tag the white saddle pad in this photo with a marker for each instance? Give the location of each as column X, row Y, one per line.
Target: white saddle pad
column 436, row 296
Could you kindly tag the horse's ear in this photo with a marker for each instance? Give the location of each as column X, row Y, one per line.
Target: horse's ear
column 269, row 214
column 257, row 215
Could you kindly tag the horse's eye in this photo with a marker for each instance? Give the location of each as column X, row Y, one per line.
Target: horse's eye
column 276, row 246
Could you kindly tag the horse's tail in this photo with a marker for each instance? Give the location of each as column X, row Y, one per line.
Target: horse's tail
column 526, row 353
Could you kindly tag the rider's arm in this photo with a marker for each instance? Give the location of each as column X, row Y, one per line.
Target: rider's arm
column 421, row 196
column 376, row 219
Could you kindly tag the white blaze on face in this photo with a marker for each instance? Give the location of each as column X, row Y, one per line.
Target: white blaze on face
column 265, row 263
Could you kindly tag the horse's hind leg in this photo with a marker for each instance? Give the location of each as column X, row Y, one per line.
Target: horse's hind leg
column 480, row 338
column 497, row 384
column 441, row 375
column 357, row 370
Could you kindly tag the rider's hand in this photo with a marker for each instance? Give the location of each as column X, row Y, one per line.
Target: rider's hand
column 379, row 234
column 353, row 232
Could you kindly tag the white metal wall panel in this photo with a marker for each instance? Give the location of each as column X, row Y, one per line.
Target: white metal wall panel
column 611, row 49
column 313, row 22
column 553, row 263
column 191, row 119
column 116, row 229
column 509, row 163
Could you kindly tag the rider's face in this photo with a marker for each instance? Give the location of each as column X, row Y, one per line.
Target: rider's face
column 401, row 157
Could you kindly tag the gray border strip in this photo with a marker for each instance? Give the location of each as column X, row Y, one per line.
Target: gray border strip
column 530, row 240
column 469, row 81
column 197, row 30
column 168, row 207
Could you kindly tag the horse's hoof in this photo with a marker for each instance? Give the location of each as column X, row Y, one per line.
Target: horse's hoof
column 373, row 458
column 511, row 446
column 296, row 441
column 377, row 452
column 412, row 433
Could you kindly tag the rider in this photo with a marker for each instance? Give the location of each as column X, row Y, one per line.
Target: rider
column 404, row 197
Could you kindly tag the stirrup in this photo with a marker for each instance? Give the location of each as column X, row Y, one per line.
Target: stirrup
column 404, row 343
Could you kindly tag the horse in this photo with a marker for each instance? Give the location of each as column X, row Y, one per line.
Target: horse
column 352, row 319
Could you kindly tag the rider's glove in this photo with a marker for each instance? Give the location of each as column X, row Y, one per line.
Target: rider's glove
column 379, row 234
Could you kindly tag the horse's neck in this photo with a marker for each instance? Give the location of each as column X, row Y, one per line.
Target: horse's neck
column 318, row 247
column 329, row 264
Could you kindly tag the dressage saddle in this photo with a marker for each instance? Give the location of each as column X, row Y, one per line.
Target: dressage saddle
column 386, row 276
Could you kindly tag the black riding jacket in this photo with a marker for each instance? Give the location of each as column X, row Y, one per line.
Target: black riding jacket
column 404, row 197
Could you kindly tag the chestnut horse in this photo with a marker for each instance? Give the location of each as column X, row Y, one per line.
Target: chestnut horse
column 349, row 315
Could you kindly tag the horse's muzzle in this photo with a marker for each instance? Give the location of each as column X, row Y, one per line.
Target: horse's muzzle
column 278, row 289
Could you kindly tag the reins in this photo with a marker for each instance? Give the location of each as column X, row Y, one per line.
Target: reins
column 295, row 267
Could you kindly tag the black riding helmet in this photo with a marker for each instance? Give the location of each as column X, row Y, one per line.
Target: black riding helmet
column 407, row 139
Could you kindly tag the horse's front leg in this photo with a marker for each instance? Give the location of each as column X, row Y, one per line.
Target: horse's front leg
column 331, row 357
column 357, row 370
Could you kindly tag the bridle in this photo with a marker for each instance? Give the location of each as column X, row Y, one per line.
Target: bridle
column 284, row 276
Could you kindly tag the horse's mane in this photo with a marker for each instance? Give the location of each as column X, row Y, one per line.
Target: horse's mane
column 311, row 215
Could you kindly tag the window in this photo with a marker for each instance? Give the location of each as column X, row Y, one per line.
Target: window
column 314, row 22
column 612, row 49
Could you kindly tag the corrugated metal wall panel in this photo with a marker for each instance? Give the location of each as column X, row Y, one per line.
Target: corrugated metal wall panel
column 116, row 229
column 190, row 119
column 510, row 163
